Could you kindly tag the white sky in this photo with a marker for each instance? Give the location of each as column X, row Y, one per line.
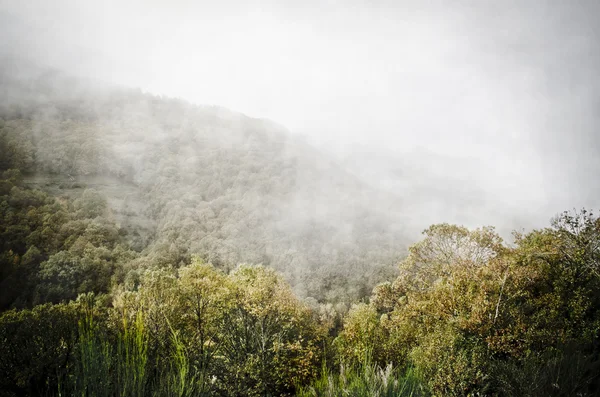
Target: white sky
column 505, row 91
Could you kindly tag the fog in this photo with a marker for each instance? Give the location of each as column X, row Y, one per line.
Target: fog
column 472, row 112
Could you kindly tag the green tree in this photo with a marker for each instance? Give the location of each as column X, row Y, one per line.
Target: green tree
column 269, row 340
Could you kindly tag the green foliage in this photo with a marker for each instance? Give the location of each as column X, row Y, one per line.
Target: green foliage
column 366, row 379
column 90, row 205
column 91, row 372
column 466, row 315
column 52, row 249
column 204, row 181
column 464, row 306
column 269, row 341
column 15, row 151
column 35, row 346
column 569, row 371
column 452, row 364
column 483, row 319
column 228, row 334
column 362, row 336
column 132, row 345
column 65, row 275
column 447, row 248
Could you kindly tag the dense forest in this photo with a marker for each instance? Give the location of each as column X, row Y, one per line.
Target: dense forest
column 151, row 247
column 184, row 180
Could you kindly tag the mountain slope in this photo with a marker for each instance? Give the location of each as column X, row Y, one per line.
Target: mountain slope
column 185, row 179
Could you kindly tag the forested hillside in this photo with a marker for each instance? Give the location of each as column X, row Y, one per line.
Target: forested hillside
column 183, row 179
column 150, row 247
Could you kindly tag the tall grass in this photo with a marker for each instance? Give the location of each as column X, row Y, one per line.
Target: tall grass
column 105, row 364
column 182, row 378
column 132, row 358
column 89, row 375
column 565, row 372
column 99, row 370
column 367, row 379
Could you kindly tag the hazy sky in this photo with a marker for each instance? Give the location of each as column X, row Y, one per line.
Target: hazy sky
column 502, row 96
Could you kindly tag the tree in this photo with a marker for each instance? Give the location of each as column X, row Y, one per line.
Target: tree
column 269, row 340
column 445, row 248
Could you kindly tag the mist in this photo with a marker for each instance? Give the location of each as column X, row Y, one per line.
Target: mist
column 234, row 198
column 472, row 113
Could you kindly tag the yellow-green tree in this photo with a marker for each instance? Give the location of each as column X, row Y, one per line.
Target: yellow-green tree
column 269, row 340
